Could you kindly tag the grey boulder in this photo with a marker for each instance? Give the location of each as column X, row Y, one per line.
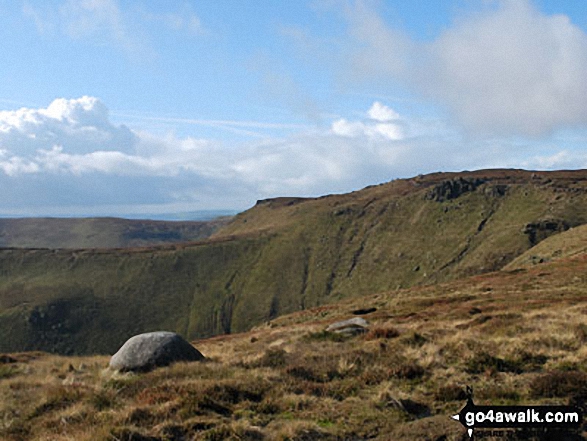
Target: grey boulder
column 145, row 352
column 356, row 325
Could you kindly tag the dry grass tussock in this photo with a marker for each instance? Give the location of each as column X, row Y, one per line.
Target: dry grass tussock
column 289, row 380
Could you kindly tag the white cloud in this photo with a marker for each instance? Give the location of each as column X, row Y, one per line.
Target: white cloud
column 378, row 125
column 561, row 160
column 507, row 69
column 70, row 154
column 382, row 113
column 389, row 131
column 79, row 125
column 15, row 165
column 343, row 127
column 512, row 70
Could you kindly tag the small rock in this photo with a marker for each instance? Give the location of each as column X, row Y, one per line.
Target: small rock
column 364, row 311
column 419, row 410
column 356, row 325
column 145, row 352
column 411, row 407
column 474, row 310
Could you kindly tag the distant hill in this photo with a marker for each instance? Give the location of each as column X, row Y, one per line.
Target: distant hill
column 285, row 255
column 100, row 232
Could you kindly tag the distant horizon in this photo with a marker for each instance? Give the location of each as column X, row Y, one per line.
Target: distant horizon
column 198, row 215
column 210, row 214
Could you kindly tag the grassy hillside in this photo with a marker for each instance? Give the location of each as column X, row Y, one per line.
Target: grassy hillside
column 285, row 255
column 99, row 232
column 516, row 337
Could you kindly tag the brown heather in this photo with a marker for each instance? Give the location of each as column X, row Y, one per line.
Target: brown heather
column 288, row 380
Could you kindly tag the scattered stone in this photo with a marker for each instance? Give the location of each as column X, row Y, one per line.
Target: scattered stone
column 5, row 359
column 145, row 352
column 411, row 407
column 474, row 310
column 414, row 408
column 479, row 320
column 364, row 311
column 354, row 326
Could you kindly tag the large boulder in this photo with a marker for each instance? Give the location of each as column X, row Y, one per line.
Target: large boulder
column 145, row 352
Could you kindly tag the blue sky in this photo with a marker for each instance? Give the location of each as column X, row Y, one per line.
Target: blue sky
column 116, row 108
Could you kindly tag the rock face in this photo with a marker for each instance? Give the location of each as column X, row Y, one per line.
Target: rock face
column 356, row 325
column 540, row 230
column 145, row 352
column 453, row 188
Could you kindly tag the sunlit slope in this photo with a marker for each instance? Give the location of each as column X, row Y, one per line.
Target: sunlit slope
column 420, row 230
column 99, row 232
column 285, row 255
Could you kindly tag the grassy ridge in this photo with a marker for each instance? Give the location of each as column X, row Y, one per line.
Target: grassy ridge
column 285, row 255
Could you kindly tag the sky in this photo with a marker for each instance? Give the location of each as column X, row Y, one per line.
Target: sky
column 120, row 108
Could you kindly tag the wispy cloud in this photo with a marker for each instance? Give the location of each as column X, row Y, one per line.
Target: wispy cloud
column 100, row 21
column 235, row 126
column 42, row 23
column 185, row 20
column 216, row 122
column 107, row 23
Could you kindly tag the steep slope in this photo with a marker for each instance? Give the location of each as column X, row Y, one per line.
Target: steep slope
column 422, row 230
column 100, row 232
column 285, row 255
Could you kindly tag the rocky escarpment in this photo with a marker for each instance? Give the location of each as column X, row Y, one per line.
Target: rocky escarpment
column 544, row 228
column 453, row 188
